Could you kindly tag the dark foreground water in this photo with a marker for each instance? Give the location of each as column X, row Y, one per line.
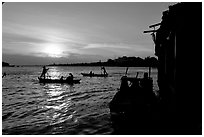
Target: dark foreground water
column 29, row 107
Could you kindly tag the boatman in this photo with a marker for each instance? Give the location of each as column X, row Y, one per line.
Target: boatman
column 44, row 72
column 104, row 71
column 4, row 74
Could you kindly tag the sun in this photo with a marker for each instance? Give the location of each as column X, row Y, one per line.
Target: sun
column 53, row 51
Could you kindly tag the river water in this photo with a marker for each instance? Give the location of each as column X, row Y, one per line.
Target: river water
column 29, row 107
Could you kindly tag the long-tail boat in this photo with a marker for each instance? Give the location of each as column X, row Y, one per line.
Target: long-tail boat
column 91, row 74
column 74, row 81
column 94, row 75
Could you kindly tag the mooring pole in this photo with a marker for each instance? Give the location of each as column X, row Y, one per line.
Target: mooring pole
column 126, row 71
column 149, row 72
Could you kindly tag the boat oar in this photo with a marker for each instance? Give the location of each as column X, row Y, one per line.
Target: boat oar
column 149, row 72
column 126, row 71
column 137, row 74
column 4, row 74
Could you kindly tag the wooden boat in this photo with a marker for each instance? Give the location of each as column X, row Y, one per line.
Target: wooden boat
column 133, row 92
column 132, row 109
column 94, row 75
column 74, row 81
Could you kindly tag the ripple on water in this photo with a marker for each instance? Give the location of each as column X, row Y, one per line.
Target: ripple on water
column 32, row 108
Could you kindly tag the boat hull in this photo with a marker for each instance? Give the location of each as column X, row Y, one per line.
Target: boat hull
column 94, row 75
column 75, row 81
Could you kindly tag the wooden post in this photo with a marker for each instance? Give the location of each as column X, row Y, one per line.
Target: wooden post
column 126, row 71
column 150, row 31
column 152, row 26
column 149, row 71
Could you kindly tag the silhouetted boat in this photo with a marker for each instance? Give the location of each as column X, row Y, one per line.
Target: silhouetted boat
column 94, row 75
column 91, row 74
column 133, row 92
column 132, row 106
column 74, row 81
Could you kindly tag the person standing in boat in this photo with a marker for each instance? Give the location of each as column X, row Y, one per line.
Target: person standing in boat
column 104, row 71
column 44, row 72
column 4, row 74
column 61, row 78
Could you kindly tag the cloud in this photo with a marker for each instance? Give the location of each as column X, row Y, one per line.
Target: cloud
column 40, row 60
column 25, row 40
column 106, row 45
column 82, row 29
column 118, row 47
column 31, row 40
column 20, row 38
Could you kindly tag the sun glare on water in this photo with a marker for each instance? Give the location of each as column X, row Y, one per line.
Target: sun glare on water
column 53, row 51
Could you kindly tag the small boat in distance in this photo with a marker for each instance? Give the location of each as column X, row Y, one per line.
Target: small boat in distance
column 91, row 74
column 69, row 80
column 74, row 81
column 94, row 75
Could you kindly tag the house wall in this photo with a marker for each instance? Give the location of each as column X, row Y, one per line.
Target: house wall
column 179, row 51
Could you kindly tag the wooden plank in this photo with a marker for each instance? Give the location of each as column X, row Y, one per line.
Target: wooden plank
column 149, row 31
column 151, row 26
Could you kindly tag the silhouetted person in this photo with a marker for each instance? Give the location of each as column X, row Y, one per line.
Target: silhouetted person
column 44, row 72
column 70, row 77
column 146, row 84
column 145, row 81
column 4, row 74
column 124, row 84
column 145, row 76
column 135, row 86
column 104, row 71
column 61, row 78
column 91, row 73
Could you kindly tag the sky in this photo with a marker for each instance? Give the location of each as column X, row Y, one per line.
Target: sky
column 39, row 33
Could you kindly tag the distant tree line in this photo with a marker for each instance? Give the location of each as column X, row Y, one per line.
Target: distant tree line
column 5, row 64
column 119, row 62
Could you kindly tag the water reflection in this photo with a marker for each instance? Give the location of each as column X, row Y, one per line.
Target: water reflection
column 54, row 90
column 59, row 104
column 53, row 72
column 32, row 108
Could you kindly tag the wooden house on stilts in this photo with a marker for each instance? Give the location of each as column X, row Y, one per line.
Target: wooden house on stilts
column 178, row 46
column 178, row 109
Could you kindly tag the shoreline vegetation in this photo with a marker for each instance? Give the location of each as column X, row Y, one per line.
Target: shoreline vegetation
column 119, row 62
column 5, row 64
